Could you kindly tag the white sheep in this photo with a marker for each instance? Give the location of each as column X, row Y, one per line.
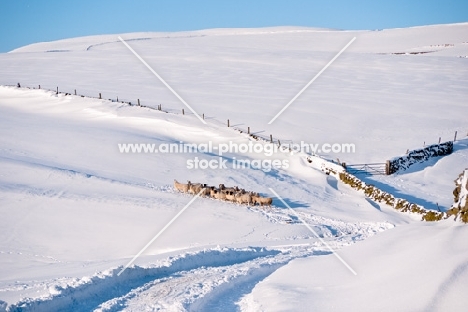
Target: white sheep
column 230, row 195
column 262, row 200
column 181, row 187
column 243, row 198
column 217, row 194
column 195, row 188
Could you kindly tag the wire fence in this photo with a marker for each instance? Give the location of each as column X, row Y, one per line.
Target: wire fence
column 159, row 107
column 367, row 169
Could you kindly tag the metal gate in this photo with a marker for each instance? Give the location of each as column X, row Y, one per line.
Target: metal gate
column 367, row 169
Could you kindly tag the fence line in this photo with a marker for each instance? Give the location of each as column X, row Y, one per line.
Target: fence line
column 390, row 167
column 138, row 103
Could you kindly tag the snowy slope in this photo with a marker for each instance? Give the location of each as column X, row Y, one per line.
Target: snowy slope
column 365, row 98
column 74, row 210
column 73, row 204
column 417, row 267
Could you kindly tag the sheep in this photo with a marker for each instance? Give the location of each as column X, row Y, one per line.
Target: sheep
column 230, row 195
column 262, row 200
column 243, row 198
column 221, row 196
column 242, row 191
column 217, row 194
column 181, row 187
column 207, row 191
column 225, row 189
column 195, row 188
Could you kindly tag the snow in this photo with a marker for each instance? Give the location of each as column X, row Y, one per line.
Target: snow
column 417, row 267
column 74, row 210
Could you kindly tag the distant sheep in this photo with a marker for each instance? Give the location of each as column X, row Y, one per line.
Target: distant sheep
column 243, row 198
column 217, row 194
column 195, row 188
column 225, row 189
column 207, row 191
column 232, row 194
column 267, row 201
column 184, row 188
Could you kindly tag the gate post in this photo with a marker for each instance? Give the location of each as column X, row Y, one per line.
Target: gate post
column 387, row 167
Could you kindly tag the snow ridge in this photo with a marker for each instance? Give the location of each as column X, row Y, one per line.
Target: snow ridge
column 88, row 292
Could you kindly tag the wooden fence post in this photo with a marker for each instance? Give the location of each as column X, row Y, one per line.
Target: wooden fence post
column 248, row 130
column 455, row 137
column 183, row 113
column 138, row 102
column 100, row 96
column 439, row 139
column 57, row 91
column 271, row 138
column 203, row 116
column 279, row 143
column 387, row 168
column 39, row 86
column 228, row 123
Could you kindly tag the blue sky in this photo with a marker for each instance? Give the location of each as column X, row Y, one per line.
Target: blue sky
column 28, row 21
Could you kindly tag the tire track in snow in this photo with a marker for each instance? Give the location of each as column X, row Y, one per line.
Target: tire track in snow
column 88, row 293
column 225, row 297
column 205, row 289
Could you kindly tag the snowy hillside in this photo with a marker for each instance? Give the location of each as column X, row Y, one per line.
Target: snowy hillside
column 75, row 209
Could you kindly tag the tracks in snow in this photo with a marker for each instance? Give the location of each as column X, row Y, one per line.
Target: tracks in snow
column 214, row 279
column 205, row 280
column 178, row 282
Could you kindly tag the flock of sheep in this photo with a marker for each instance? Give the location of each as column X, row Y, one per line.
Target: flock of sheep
column 232, row 194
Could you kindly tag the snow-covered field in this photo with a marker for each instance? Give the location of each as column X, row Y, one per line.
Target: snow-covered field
column 75, row 210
